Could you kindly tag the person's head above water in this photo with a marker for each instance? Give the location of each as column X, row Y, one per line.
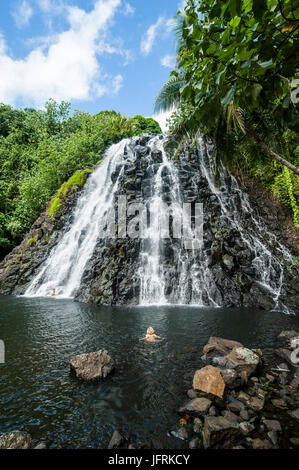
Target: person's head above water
column 150, row 331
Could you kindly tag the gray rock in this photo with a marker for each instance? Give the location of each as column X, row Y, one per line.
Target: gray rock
column 116, row 441
column 197, row 407
column 244, row 414
column 272, row 425
column 15, row 440
column 285, row 338
column 231, row 378
column 41, row 446
column 220, row 431
column 194, row 443
column 92, row 366
column 273, row 437
column 191, row 393
column 246, row 428
column 295, row 414
column 182, row 433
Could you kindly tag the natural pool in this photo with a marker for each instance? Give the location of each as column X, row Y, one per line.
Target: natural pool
column 38, row 394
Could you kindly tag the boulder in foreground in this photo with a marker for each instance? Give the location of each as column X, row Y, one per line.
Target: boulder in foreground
column 93, row 366
column 15, row 440
column 209, row 380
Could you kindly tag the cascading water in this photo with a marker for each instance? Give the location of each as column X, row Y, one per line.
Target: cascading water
column 65, row 266
column 164, row 271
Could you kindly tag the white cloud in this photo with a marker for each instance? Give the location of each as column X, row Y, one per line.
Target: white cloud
column 22, row 14
column 168, row 61
column 65, row 69
column 149, row 38
column 129, row 10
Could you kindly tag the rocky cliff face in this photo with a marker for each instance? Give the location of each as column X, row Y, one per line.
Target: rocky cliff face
column 242, row 262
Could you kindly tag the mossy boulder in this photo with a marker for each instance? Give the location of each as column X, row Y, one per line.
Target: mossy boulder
column 75, row 182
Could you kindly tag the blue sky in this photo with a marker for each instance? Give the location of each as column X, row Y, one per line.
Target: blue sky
column 98, row 54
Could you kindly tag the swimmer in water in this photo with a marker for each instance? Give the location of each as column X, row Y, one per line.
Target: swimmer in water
column 53, row 293
column 150, row 336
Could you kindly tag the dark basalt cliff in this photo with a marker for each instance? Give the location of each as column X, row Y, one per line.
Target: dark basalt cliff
column 231, row 221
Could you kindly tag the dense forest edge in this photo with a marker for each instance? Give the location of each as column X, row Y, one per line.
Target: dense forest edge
column 42, row 151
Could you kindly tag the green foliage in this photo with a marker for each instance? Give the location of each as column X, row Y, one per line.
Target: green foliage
column 40, row 150
column 31, row 241
column 77, row 180
column 237, row 67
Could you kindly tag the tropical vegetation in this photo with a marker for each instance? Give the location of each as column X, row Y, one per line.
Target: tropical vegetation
column 41, row 150
column 236, row 79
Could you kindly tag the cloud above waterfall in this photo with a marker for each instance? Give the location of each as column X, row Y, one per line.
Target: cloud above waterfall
column 66, row 65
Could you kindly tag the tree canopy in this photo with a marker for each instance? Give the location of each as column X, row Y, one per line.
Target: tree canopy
column 237, row 79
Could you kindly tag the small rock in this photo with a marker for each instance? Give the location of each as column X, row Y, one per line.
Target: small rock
column 286, row 338
column 15, row 440
column 273, row 437
column 238, row 447
column 246, row 428
column 295, row 414
column 244, row 415
column 272, row 425
column 254, row 403
column 198, row 406
column 243, row 360
column 209, row 380
column 231, row 378
column 261, row 444
column 93, row 366
column 116, row 440
column 235, row 405
column 194, row 443
column 212, row 411
column 257, row 404
column 231, row 416
column 279, row 403
column 285, row 354
column 284, row 367
column 220, row 431
column 270, row 378
column 192, row 394
column 41, row 446
column 182, row 433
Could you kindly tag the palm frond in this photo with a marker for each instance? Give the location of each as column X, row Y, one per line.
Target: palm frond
column 169, row 95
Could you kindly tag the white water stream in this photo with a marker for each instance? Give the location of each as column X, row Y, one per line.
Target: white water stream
column 64, row 268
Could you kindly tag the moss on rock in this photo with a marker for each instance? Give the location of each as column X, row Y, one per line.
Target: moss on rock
column 76, row 181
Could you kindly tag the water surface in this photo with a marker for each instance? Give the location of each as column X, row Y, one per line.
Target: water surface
column 38, row 394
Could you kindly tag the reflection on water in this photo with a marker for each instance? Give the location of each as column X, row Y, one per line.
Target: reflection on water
column 37, row 393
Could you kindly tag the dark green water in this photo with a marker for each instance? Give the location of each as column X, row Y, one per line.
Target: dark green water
column 37, row 393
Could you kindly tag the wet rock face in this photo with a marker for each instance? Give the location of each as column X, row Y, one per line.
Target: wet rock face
column 231, row 268
column 21, row 265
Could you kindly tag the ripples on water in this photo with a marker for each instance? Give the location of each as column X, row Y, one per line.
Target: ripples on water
column 37, row 393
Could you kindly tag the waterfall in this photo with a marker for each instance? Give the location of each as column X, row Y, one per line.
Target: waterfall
column 164, row 270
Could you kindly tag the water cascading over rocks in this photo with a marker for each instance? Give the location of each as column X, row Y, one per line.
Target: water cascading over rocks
column 240, row 263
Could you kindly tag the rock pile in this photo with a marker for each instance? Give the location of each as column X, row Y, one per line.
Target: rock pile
column 240, row 401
